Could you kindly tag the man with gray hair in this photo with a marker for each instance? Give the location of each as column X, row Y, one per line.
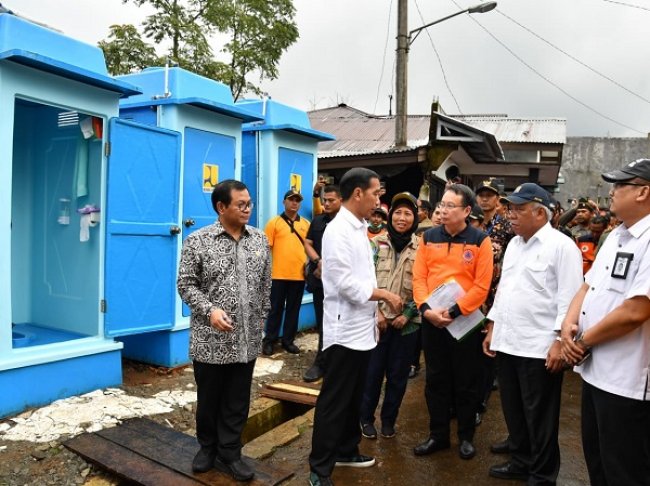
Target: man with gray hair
column 542, row 270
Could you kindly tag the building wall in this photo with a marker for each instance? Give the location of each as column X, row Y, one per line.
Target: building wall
column 585, row 158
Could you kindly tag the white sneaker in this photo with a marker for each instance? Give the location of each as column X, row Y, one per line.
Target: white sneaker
column 355, row 461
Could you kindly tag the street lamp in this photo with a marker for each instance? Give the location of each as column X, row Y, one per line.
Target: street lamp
column 404, row 41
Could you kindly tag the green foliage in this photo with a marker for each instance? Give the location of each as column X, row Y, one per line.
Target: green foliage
column 125, row 51
column 258, row 33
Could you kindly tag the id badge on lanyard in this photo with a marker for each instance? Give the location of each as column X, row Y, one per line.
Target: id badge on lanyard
column 622, row 264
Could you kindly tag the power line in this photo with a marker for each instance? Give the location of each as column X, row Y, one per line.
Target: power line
column 383, row 61
column 444, row 75
column 628, row 5
column 593, row 70
column 549, row 81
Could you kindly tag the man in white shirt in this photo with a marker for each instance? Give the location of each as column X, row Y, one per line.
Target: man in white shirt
column 542, row 270
column 349, row 327
column 610, row 317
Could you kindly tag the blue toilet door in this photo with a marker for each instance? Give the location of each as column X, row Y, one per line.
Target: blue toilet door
column 209, row 159
column 142, row 228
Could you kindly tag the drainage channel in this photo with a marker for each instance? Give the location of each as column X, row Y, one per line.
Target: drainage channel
column 284, row 410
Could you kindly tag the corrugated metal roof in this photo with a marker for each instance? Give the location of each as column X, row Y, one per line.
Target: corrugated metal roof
column 361, row 133
column 506, row 129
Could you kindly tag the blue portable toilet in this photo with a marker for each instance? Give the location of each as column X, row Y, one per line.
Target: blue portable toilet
column 280, row 153
column 56, row 98
column 147, row 315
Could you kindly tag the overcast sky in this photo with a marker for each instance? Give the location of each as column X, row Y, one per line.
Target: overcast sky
column 344, row 44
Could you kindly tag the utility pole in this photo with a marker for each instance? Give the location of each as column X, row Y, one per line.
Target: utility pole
column 401, row 75
column 404, row 40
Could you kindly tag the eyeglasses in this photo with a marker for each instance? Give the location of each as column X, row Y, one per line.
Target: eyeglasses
column 245, row 206
column 616, row 185
column 450, row 206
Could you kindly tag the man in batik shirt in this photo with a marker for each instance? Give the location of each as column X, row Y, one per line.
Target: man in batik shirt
column 225, row 279
column 498, row 228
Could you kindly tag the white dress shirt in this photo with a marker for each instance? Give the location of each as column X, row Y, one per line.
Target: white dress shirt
column 539, row 278
column 620, row 366
column 349, row 317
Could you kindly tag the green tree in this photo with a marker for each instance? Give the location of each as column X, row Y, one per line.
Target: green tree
column 125, row 51
column 258, row 32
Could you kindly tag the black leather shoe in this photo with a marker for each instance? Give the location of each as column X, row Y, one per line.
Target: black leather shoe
column 466, row 450
column 238, row 470
column 430, row 446
column 204, row 460
column 291, row 348
column 314, row 373
column 508, row 470
column 267, row 348
column 502, row 447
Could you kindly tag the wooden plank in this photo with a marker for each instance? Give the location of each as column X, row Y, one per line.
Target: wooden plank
column 176, row 450
column 290, row 388
column 288, row 397
column 303, row 384
column 123, row 463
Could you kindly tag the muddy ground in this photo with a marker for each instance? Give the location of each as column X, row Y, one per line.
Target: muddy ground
column 38, row 464
column 29, row 463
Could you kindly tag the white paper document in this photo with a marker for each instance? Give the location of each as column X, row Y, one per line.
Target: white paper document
column 447, row 295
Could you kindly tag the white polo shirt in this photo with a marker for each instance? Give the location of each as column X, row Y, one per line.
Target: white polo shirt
column 539, row 278
column 620, row 366
column 349, row 317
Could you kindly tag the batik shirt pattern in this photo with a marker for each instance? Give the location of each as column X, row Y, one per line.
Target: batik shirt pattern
column 500, row 232
column 216, row 271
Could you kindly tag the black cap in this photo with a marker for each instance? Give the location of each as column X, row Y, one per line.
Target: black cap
column 477, row 213
column 490, row 185
column 292, row 193
column 583, row 203
column 638, row 168
column 383, row 209
column 530, row 192
column 554, row 205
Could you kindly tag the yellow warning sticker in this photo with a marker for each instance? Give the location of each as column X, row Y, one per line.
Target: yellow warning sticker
column 295, row 182
column 210, row 177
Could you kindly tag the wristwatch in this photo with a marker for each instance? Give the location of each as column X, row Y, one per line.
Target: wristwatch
column 579, row 339
column 316, row 260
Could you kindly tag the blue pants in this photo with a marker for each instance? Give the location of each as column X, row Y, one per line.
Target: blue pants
column 391, row 359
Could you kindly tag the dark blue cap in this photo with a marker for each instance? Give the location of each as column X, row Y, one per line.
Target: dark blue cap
column 530, row 192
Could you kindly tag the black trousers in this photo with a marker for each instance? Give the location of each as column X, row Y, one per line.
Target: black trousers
column 223, row 399
column 530, row 398
column 286, row 297
column 615, row 438
column 452, row 378
column 417, row 351
column 391, row 359
column 319, row 297
column 336, row 420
